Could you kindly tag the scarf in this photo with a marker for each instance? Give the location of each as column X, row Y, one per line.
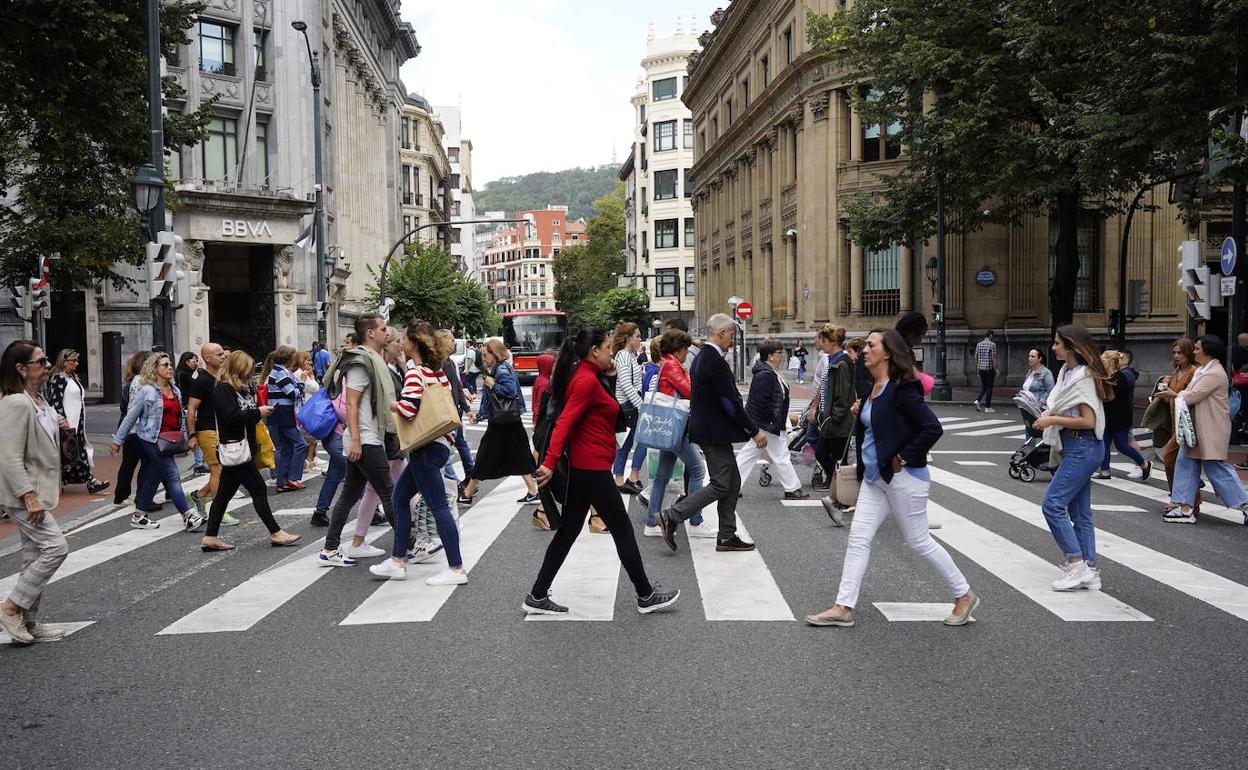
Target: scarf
column 1071, row 392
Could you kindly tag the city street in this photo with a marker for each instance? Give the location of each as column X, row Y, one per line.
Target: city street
column 260, row 658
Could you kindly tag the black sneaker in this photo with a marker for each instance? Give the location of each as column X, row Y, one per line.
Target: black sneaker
column 636, row 485
column 542, row 606
column 627, row 488
column 668, row 527
column 800, row 494
column 659, row 598
column 319, row 519
column 530, row 497
column 733, row 543
column 379, row 519
column 645, row 501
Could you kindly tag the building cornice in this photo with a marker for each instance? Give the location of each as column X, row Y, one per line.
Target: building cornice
column 728, row 23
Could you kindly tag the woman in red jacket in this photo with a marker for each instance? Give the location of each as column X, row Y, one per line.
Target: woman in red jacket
column 674, row 381
column 588, row 407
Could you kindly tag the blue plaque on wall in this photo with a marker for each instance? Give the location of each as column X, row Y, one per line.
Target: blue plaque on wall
column 986, row 277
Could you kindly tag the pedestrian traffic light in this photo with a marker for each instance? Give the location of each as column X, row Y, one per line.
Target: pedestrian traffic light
column 321, row 309
column 164, row 265
column 938, row 312
column 1194, row 278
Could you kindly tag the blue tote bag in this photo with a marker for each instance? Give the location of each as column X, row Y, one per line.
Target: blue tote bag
column 661, row 422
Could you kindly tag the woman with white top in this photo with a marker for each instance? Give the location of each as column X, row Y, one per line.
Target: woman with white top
column 66, row 395
column 1074, row 426
column 1039, row 380
column 625, row 343
column 1206, row 398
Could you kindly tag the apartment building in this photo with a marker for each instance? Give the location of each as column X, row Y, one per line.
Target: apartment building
column 516, row 267
column 423, row 171
column 459, row 187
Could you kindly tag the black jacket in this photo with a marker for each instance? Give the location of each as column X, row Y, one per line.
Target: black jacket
column 457, row 389
column 233, row 422
column 863, row 381
column 716, row 415
column 768, row 402
column 902, row 424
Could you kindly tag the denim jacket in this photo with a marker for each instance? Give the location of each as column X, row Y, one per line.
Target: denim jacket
column 505, row 385
column 145, row 413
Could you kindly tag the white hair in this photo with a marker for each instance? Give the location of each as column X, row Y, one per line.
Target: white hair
column 717, row 323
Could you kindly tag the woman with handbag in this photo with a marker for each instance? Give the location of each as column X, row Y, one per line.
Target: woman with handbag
column 591, row 410
column 834, row 419
column 160, row 425
column 1206, row 397
column 1120, row 417
column 65, row 394
column 426, row 353
column 504, row 450
column 1183, row 354
column 894, row 431
column 234, row 401
column 674, row 381
column 625, row 343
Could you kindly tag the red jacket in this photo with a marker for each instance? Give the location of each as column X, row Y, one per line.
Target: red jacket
column 673, row 379
column 591, row 411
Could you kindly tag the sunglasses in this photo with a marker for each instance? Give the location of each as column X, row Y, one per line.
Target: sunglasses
column 40, row 361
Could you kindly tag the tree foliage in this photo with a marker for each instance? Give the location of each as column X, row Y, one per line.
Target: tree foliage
column 425, row 284
column 74, row 130
column 1036, row 107
column 576, row 188
column 608, row 308
column 582, row 271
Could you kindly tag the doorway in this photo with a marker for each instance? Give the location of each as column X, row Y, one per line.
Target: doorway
column 241, row 302
column 67, row 328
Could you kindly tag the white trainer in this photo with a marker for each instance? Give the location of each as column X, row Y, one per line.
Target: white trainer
column 1073, row 576
column 654, row 531
column 364, row 551
column 390, row 569
column 702, row 530
column 448, row 577
column 1093, row 583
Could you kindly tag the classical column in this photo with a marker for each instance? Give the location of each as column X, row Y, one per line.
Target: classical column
column 287, row 310
column 905, row 268
column 92, row 299
column 855, row 136
column 855, row 279
column 192, row 321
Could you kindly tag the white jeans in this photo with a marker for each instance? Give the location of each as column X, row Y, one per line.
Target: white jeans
column 778, row 453
column 906, row 499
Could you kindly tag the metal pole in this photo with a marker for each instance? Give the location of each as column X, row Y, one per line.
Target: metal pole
column 319, row 216
column 941, row 391
column 162, row 310
column 1234, row 303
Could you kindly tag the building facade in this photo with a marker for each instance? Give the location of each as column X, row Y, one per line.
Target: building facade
column 459, row 187
column 423, row 169
column 779, row 148
column 517, row 265
column 658, row 207
column 244, row 196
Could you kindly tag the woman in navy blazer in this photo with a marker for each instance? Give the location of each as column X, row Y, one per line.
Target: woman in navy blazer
column 894, row 429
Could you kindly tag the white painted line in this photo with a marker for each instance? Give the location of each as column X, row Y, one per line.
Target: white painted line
column 989, row 431
column 1139, row 489
column 411, row 601
column 294, row 512
column 1027, row 573
column 982, row 424
column 734, row 585
column 68, row 628
column 588, row 581
column 915, row 611
column 1117, row 509
column 989, row 463
column 247, row 604
column 1213, row 589
column 972, row 452
column 801, row 503
column 948, row 420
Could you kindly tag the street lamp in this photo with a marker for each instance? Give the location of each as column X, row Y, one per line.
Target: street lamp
column 318, row 217
column 147, row 186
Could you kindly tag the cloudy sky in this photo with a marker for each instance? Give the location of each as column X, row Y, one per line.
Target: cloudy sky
column 544, row 84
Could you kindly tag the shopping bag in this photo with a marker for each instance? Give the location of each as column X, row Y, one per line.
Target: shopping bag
column 436, row 417
column 317, row 416
column 662, row 421
column 265, row 456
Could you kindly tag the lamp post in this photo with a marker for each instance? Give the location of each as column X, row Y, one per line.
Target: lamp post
column 148, row 184
column 318, row 217
column 941, row 391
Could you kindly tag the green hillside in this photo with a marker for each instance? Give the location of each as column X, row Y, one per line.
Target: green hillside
column 576, row 188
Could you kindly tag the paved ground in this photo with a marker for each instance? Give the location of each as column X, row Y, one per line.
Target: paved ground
column 327, row 668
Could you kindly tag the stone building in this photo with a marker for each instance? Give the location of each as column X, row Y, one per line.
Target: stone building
column 459, row 186
column 423, row 169
column 516, row 267
column 778, row 147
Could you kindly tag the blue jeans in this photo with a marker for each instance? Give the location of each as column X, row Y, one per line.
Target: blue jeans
column 470, row 382
column 621, row 454
column 423, row 474
column 337, row 471
column 199, row 455
column 154, row 471
column 291, row 450
column 1067, row 503
column 465, row 453
column 695, row 473
column 1121, row 438
column 1221, row 475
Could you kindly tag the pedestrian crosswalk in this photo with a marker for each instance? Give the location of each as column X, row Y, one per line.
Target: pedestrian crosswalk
column 723, row 587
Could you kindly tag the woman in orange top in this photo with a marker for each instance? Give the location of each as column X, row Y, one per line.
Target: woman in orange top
column 1184, row 352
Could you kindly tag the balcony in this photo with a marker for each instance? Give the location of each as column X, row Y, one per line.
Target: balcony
column 407, row 199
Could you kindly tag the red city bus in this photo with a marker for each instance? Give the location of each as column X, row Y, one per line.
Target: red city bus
column 529, row 333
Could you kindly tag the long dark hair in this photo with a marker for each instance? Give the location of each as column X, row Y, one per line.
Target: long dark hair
column 1078, row 341
column 182, row 359
column 18, row 352
column 900, row 357
column 570, row 353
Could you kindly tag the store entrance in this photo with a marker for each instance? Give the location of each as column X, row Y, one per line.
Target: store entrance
column 67, row 328
column 241, row 303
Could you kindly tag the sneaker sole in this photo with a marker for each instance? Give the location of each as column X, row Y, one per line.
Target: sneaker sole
column 811, row 620
column 733, row 548
column 657, row 607
column 539, row 611
column 1180, row 519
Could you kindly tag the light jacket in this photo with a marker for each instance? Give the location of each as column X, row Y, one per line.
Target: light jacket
column 505, row 385
column 1207, row 399
column 145, row 413
column 30, row 460
column 1077, row 389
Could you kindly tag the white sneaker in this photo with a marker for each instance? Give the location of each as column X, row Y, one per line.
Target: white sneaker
column 702, row 530
column 141, row 521
column 389, row 569
column 364, row 551
column 989, row 410
column 1135, row 474
column 193, row 521
column 334, row 559
column 448, row 577
column 977, row 406
column 424, row 549
column 1093, row 583
column 1074, row 576
column 654, row 531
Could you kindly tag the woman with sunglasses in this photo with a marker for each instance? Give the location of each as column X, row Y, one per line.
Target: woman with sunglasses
column 66, row 395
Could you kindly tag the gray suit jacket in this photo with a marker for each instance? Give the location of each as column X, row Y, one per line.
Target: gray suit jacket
column 29, row 459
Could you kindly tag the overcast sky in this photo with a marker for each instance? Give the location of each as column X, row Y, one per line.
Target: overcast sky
column 544, row 84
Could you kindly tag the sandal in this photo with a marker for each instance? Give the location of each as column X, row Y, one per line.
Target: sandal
column 219, row 545
column 540, row 521
column 95, row 486
column 596, row 525
column 284, row 543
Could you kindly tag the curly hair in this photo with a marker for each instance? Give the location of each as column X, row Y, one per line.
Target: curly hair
column 147, row 375
column 433, row 348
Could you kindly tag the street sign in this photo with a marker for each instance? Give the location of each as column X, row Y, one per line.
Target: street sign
column 1229, row 254
column 1228, row 286
column 745, row 311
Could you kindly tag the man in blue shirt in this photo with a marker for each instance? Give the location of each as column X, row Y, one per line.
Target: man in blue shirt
column 320, row 360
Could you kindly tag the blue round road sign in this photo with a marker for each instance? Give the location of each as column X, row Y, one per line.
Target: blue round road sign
column 1229, row 254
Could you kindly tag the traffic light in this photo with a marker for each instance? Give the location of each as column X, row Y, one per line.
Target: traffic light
column 38, row 298
column 21, row 302
column 164, row 265
column 1194, row 278
column 321, row 308
column 938, row 312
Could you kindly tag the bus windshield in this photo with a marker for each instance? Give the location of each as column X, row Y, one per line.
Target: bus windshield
column 534, row 333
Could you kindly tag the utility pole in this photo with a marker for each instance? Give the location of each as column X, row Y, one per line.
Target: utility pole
column 162, row 307
column 318, row 218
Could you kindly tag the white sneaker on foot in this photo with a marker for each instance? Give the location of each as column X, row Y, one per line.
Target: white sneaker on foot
column 1074, row 575
column 389, row 569
column 364, row 551
column 448, row 577
column 1093, row 583
column 334, row 559
column 650, row 531
column 702, row 530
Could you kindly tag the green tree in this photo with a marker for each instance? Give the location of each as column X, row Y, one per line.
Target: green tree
column 74, row 130
column 608, row 308
column 584, row 270
column 577, row 188
column 426, row 284
column 1040, row 107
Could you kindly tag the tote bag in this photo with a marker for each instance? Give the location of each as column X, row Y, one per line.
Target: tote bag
column 266, row 457
column 318, row 416
column 661, row 422
column 437, row 416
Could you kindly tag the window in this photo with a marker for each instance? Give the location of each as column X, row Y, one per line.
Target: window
column 745, row 93
column 221, row 149
column 262, row 152
column 407, row 185
column 788, row 45
column 216, row 47
column 641, row 115
column 666, row 282
column 407, row 224
column 665, row 185
column 1088, row 284
column 881, row 285
column 714, row 128
column 880, row 142
column 662, row 90
column 764, row 64
column 689, row 233
column 258, row 39
column 688, row 128
column 689, row 282
column 688, row 186
column 407, row 134
column 665, row 135
column 555, row 223
column 452, row 154
column 665, row 233
column 728, row 112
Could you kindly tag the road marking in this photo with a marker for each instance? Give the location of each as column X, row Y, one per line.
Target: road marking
column 801, row 503
column 989, row 463
column 588, row 581
column 411, row 601
column 1207, row 508
column 947, row 420
column 1117, row 509
column 1213, row 589
column 900, row 612
column 972, row 452
column 989, row 431
column 68, row 628
column 734, row 585
column 1027, row 573
column 980, row 424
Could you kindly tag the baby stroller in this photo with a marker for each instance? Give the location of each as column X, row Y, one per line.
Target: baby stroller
column 1034, row 453
column 801, row 449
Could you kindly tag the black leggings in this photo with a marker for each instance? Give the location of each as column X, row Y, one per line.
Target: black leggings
column 130, row 458
column 829, row 452
column 597, row 489
column 233, row 477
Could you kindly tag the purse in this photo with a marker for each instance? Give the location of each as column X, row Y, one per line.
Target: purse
column 171, row 443
column 234, row 453
column 847, row 485
column 662, row 422
column 503, row 409
column 1240, row 379
column 438, row 415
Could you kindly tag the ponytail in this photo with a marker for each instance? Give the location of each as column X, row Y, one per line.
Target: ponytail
column 571, row 352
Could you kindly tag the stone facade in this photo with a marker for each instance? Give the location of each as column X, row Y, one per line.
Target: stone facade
column 516, row 267
column 423, row 169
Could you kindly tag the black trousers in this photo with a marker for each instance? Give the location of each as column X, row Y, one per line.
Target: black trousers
column 987, row 377
column 550, row 500
column 130, row 458
column 372, row 468
column 829, row 452
column 597, row 489
column 248, row 477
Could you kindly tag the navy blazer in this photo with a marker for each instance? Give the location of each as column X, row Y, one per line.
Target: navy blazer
column 716, row 415
column 902, row 424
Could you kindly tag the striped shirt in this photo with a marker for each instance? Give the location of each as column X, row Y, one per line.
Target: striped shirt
column 985, row 352
column 415, row 380
column 284, row 389
column 627, row 379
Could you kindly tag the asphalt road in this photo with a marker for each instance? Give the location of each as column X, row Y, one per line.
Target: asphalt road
column 1148, row 673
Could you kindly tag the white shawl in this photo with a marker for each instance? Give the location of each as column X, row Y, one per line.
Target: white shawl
column 1068, row 393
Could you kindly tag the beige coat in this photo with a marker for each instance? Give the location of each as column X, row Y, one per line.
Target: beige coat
column 29, row 459
column 1207, row 401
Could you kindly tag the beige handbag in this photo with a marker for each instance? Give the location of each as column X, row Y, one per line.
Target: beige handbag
column 437, row 417
column 846, row 489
